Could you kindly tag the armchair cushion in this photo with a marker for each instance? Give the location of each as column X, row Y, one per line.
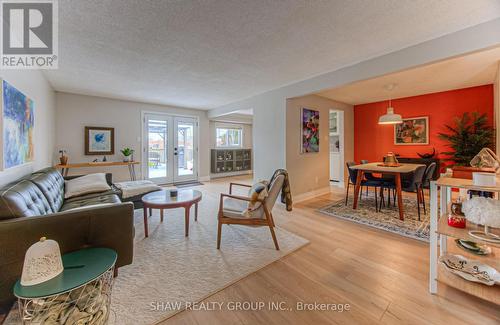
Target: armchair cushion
column 234, row 208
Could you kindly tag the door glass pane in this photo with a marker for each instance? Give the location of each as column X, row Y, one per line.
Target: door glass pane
column 185, row 148
column 157, row 148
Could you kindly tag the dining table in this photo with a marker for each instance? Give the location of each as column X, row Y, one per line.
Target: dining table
column 381, row 168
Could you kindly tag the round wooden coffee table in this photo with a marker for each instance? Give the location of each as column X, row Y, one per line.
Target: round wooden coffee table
column 162, row 200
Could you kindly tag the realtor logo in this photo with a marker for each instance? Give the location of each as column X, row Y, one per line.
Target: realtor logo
column 29, row 34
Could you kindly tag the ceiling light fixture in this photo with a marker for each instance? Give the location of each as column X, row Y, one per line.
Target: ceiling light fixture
column 390, row 117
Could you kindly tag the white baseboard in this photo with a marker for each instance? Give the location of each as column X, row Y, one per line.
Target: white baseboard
column 204, row 178
column 311, row 194
column 238, row 173
column 337, row 184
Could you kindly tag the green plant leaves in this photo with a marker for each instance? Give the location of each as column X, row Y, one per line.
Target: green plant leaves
column 467, row 137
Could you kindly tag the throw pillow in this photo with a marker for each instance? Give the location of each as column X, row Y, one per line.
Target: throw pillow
column 92, row 183
column 258, row 191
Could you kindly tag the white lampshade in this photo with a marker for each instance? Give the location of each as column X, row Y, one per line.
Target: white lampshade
column 42, row 262
column 390, row 117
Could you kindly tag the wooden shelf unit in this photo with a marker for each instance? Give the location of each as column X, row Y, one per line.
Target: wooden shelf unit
column 440, row 199
column 230, row 160
column 491, row 294
column 463, row 233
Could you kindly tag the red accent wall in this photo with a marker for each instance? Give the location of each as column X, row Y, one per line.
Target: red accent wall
column 372, row 141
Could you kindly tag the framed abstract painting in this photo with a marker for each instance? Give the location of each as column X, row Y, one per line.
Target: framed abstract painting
column 99, row 140
column 310, row 130
column 18, row 122
column 413, row 131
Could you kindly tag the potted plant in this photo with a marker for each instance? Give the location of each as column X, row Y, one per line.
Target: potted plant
column 63, row 158
column 467, row 137
column 127, row 154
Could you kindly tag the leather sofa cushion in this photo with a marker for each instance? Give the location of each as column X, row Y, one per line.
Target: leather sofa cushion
column 90, row 201
column 23, row 199
column 51, row 183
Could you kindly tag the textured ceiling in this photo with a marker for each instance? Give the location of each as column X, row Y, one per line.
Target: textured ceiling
column 462, row 72
column 207, row 53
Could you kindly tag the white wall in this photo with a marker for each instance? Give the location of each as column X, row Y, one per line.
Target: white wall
column 311, row 172
column 74, row 112
column 34, row 85
column 269, row 108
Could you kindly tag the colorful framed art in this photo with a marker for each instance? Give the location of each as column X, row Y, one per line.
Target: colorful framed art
column 99, row 140
column 18, row 123
column 310, row 130
column 413, row 131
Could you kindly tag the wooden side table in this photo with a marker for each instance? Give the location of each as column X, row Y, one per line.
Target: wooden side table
column 162, row 200
column 82, row 292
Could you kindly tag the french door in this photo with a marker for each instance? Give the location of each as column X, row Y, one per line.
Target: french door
column 170, row 148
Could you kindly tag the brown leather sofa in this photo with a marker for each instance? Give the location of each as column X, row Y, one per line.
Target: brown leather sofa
column 34, row 206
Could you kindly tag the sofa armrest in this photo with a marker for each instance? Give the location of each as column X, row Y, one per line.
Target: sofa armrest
column 110, row 226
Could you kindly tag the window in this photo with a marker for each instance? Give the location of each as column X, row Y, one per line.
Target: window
column 228, row 137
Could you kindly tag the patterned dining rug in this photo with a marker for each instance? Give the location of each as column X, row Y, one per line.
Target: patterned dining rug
column 387, row 219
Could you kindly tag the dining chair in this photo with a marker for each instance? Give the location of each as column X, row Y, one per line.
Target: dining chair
column 367, row 175
column 232, row 208
column 429, row 173
column 411, row 184
column 353, row 174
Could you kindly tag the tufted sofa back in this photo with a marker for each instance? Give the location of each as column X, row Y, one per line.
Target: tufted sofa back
column 51, row 183
column 23, row 199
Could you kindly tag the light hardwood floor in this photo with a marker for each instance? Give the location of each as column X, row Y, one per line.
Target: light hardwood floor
column 383, row 276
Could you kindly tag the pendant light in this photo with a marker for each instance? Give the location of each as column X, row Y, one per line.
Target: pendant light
column 390, row 117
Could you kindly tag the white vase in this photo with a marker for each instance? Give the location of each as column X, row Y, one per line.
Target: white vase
column 127, row 159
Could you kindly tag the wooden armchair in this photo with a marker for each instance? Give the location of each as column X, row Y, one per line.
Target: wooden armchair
column 231, row 208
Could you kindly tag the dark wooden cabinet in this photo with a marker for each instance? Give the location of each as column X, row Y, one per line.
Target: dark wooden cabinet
column 230, row 160
column 424, row 161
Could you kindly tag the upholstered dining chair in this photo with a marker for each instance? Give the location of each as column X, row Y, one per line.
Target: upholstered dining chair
column 353, row 174
column 429, row 173
column 232, row 208
column 367, row 175
column 412, row 184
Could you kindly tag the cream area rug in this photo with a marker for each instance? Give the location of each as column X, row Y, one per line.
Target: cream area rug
column 387, row 219
column 170, row 270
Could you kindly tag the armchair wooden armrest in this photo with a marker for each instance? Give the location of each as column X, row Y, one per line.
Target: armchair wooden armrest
column 236, row 184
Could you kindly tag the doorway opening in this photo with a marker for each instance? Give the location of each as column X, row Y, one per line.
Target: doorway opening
column 336, row 135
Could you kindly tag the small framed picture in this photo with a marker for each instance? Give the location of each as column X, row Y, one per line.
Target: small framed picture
column 413, row 131
column 99, row 140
